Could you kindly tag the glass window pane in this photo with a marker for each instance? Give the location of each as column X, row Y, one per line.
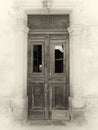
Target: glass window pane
column 37, row 58
column 59, row 54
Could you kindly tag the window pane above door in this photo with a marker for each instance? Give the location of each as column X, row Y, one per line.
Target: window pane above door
column 59, row 54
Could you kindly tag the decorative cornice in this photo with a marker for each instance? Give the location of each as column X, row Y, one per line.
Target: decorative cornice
column 75, row 29
column 90, row 101
column 22, row 28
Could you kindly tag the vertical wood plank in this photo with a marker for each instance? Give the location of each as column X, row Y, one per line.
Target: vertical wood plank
column 46, row 76
column 32, row 97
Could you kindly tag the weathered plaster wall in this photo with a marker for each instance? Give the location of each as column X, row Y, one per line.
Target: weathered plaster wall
column 89, row 47
column 7, row 56
column 6, row 50
column 85, row 63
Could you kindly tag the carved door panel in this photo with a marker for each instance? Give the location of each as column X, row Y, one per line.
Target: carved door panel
column 48, row 79
column 38, row 77
column 58, row 77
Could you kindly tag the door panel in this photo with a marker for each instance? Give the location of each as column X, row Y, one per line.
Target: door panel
column 58, row 75
column 36, row 77
column 38, row 93
column 48, row 81
column 58, row 97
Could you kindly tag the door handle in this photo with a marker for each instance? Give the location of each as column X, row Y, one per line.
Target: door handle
column 50, row 76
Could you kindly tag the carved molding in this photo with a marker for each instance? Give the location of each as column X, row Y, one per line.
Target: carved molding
column 5, row 110
column 90, row 101
column 48, row 22
column 5, row 105
column 37, row 80
column 78, row 29
column 58, row 80
column 22, row 28
column 75, row 29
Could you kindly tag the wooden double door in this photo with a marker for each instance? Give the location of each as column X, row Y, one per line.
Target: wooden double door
column 48, row 76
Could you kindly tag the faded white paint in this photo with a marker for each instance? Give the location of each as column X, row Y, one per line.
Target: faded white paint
column 83, row 51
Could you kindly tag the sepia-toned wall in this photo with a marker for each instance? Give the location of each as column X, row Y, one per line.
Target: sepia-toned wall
column 83, row 50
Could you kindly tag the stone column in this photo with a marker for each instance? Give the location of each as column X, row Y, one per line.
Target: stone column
column 20, row 103
column 75, row 33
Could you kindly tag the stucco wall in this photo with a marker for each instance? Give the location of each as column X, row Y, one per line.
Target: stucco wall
column 85, row 63
column 7, row 57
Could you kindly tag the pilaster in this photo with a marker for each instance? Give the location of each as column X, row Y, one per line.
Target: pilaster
column 21, row 101
column 75, row 32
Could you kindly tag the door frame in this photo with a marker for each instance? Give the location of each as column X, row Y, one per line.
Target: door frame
column 21, row 34
column 56, row 12
column 49, row 110
column 68, row 56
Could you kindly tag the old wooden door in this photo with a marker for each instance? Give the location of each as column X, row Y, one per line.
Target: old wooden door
column 48, row 75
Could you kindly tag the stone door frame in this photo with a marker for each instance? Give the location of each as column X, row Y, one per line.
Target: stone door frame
column 21, row 99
